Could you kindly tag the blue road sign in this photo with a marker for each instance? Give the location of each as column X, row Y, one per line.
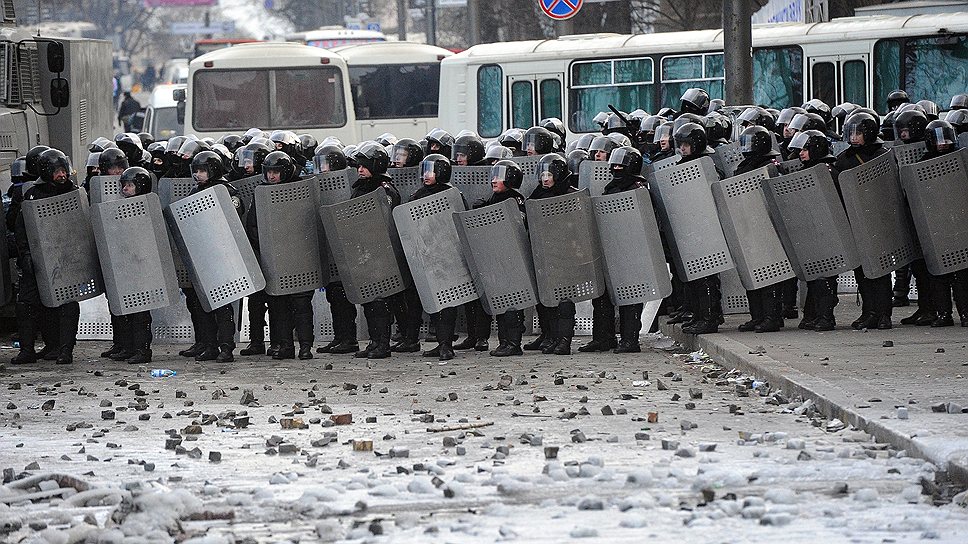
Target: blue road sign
column 560, row 9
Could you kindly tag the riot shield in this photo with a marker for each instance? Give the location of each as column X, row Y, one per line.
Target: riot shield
column 498, row 253
column 172, row 189
column 753, row 242
column 433, row 250
column 879, row 217
column 530, row 167
column 62, row 248
column 812, row 223
column 568, row 261
column 335, row 187
column 246, row 188
column 594, row 176
column 135, row 254
column 213, row 245
column 790, row 166
column 938, row 195
column 105, row 189
column 963, row 140
column 908, row 153
column 474, row 182
column 364, row 245
column 288, row 237
column 689, row 216
column 727, row 156
column 634, row 262
column 836, row 148
column 733, row 293
column 406, row 180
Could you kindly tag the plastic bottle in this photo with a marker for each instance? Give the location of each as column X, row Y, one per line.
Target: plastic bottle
column 162, row 373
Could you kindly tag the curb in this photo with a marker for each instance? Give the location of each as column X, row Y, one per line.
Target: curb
column 734, row 354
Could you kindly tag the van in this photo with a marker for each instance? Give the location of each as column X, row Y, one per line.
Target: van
column 161, row 119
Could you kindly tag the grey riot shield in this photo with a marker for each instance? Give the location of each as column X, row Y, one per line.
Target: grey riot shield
column 335, row 187
column 963, row 140
column 246, row 188
column 908, row 153
column 938, row 196
column 406, row 180
column 838, row 147
column 812, row 223
column 733, row 293
column 649, row 170
column 474, row 182
column 790, row 166
column 688, row 213
column 594, row 176
column 879, row 216
column 62, row 248
column 629, row 236
column 214, row 248
column 135, row 254
column 364, row 245
column 498, row 253
column 172, row 189
column 433, row 250
column 530, row 167
column 568, row 262
column 288, row 238
column 727, row 156
column 105, row 188
column 753, row 242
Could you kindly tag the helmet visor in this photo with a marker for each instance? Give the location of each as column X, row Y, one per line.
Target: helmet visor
column 499, row 172
column 19, row 167
column 400, row 154
column 786, row 115
column 247, row 158
column 746, row 142
column 428, row 167
column 943, row 135
column 663, row 133
column 619, row 157
column 749, row 116
column 799, row 141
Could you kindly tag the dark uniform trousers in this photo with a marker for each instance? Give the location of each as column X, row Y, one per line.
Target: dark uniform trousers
column 58, row 325
column 343, row 311
column 510, row 327
column 215, row 328
column 478, row 321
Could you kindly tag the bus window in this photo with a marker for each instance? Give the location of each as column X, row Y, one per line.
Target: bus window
column 824, row 82
column 522, row 105
column 293, row 98
column 230, row 99
column 887, row 71
column 550, row 90
column 489, row 95
column 935, row 68
column 855, row 81
column 395, row 90
column 681, row 72
column 307, row 97
column 627, row 84
column 778, row 76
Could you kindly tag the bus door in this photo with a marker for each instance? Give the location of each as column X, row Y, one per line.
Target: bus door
column 836, row 79
column 534, row 97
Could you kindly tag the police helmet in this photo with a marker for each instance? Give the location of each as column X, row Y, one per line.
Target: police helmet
column 139, row 177
column 438, row 165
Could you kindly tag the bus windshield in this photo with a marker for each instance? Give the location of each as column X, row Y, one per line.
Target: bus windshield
column 165, row 123
column 395, row 90
column 282, row 98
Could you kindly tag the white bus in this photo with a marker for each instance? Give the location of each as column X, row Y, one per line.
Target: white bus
column 269, row 85
column 395, row 87
column 355, row 93
column 491, row 87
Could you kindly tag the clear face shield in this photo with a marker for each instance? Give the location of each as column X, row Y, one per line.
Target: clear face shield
column 399, row 155
column 746, row 143
column 428, row 172
column 498, row 176
column 799, row 141
column 247, row 160
column 854, row 134
column 618, row 159
column 663, row 137
column 943, row 136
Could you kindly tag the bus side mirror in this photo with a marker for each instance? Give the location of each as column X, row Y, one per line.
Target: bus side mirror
column 180, row 112
column 60, row 92
column 178, row 95
column 55, row 57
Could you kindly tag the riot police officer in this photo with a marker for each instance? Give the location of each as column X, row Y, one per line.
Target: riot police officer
column 538, row 141
column 941, row 139
column 557, row 323
column 468, row 150
column 406, row 152
column 506, row 178
column 876, row 293
column 373, row 162
column 600, row 148
column 54, row 172
column 130, row 144
column 702, row 296
column 215, row 330
column 112, row 162
column 248, row 159
column 438, row 141
column 694, row 100
column 665, row 146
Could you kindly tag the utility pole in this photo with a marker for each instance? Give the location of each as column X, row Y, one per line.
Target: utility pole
column 402, row 20
column 474, row 21
column 432, row 22
column 738, row 51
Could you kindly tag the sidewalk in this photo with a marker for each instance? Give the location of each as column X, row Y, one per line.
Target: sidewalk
column 854, row 376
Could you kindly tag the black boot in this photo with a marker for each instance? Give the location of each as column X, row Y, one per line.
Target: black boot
column 549, row 346
column 141, row 356
column 225, row 354
column 344, row 348
column 771, row 304
column 286, row 351
column 328, row 348
column 445, row 351
column 943, row 320
column 825, row 302
column 598, row 345
column 49, row 353
column 66, row 356
column 628, row 346
column 755, row 300
column 535, row 344
column 254, row 348
column 769, row 324
column 209, row 353
column 468, row 343
column 563, row 347
column 305, row 351
column 27, row 328
column 363, row 353
column 195, row 350
column 405, row 346
column 111, row 351
column 272, row 350
column 122, row 355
